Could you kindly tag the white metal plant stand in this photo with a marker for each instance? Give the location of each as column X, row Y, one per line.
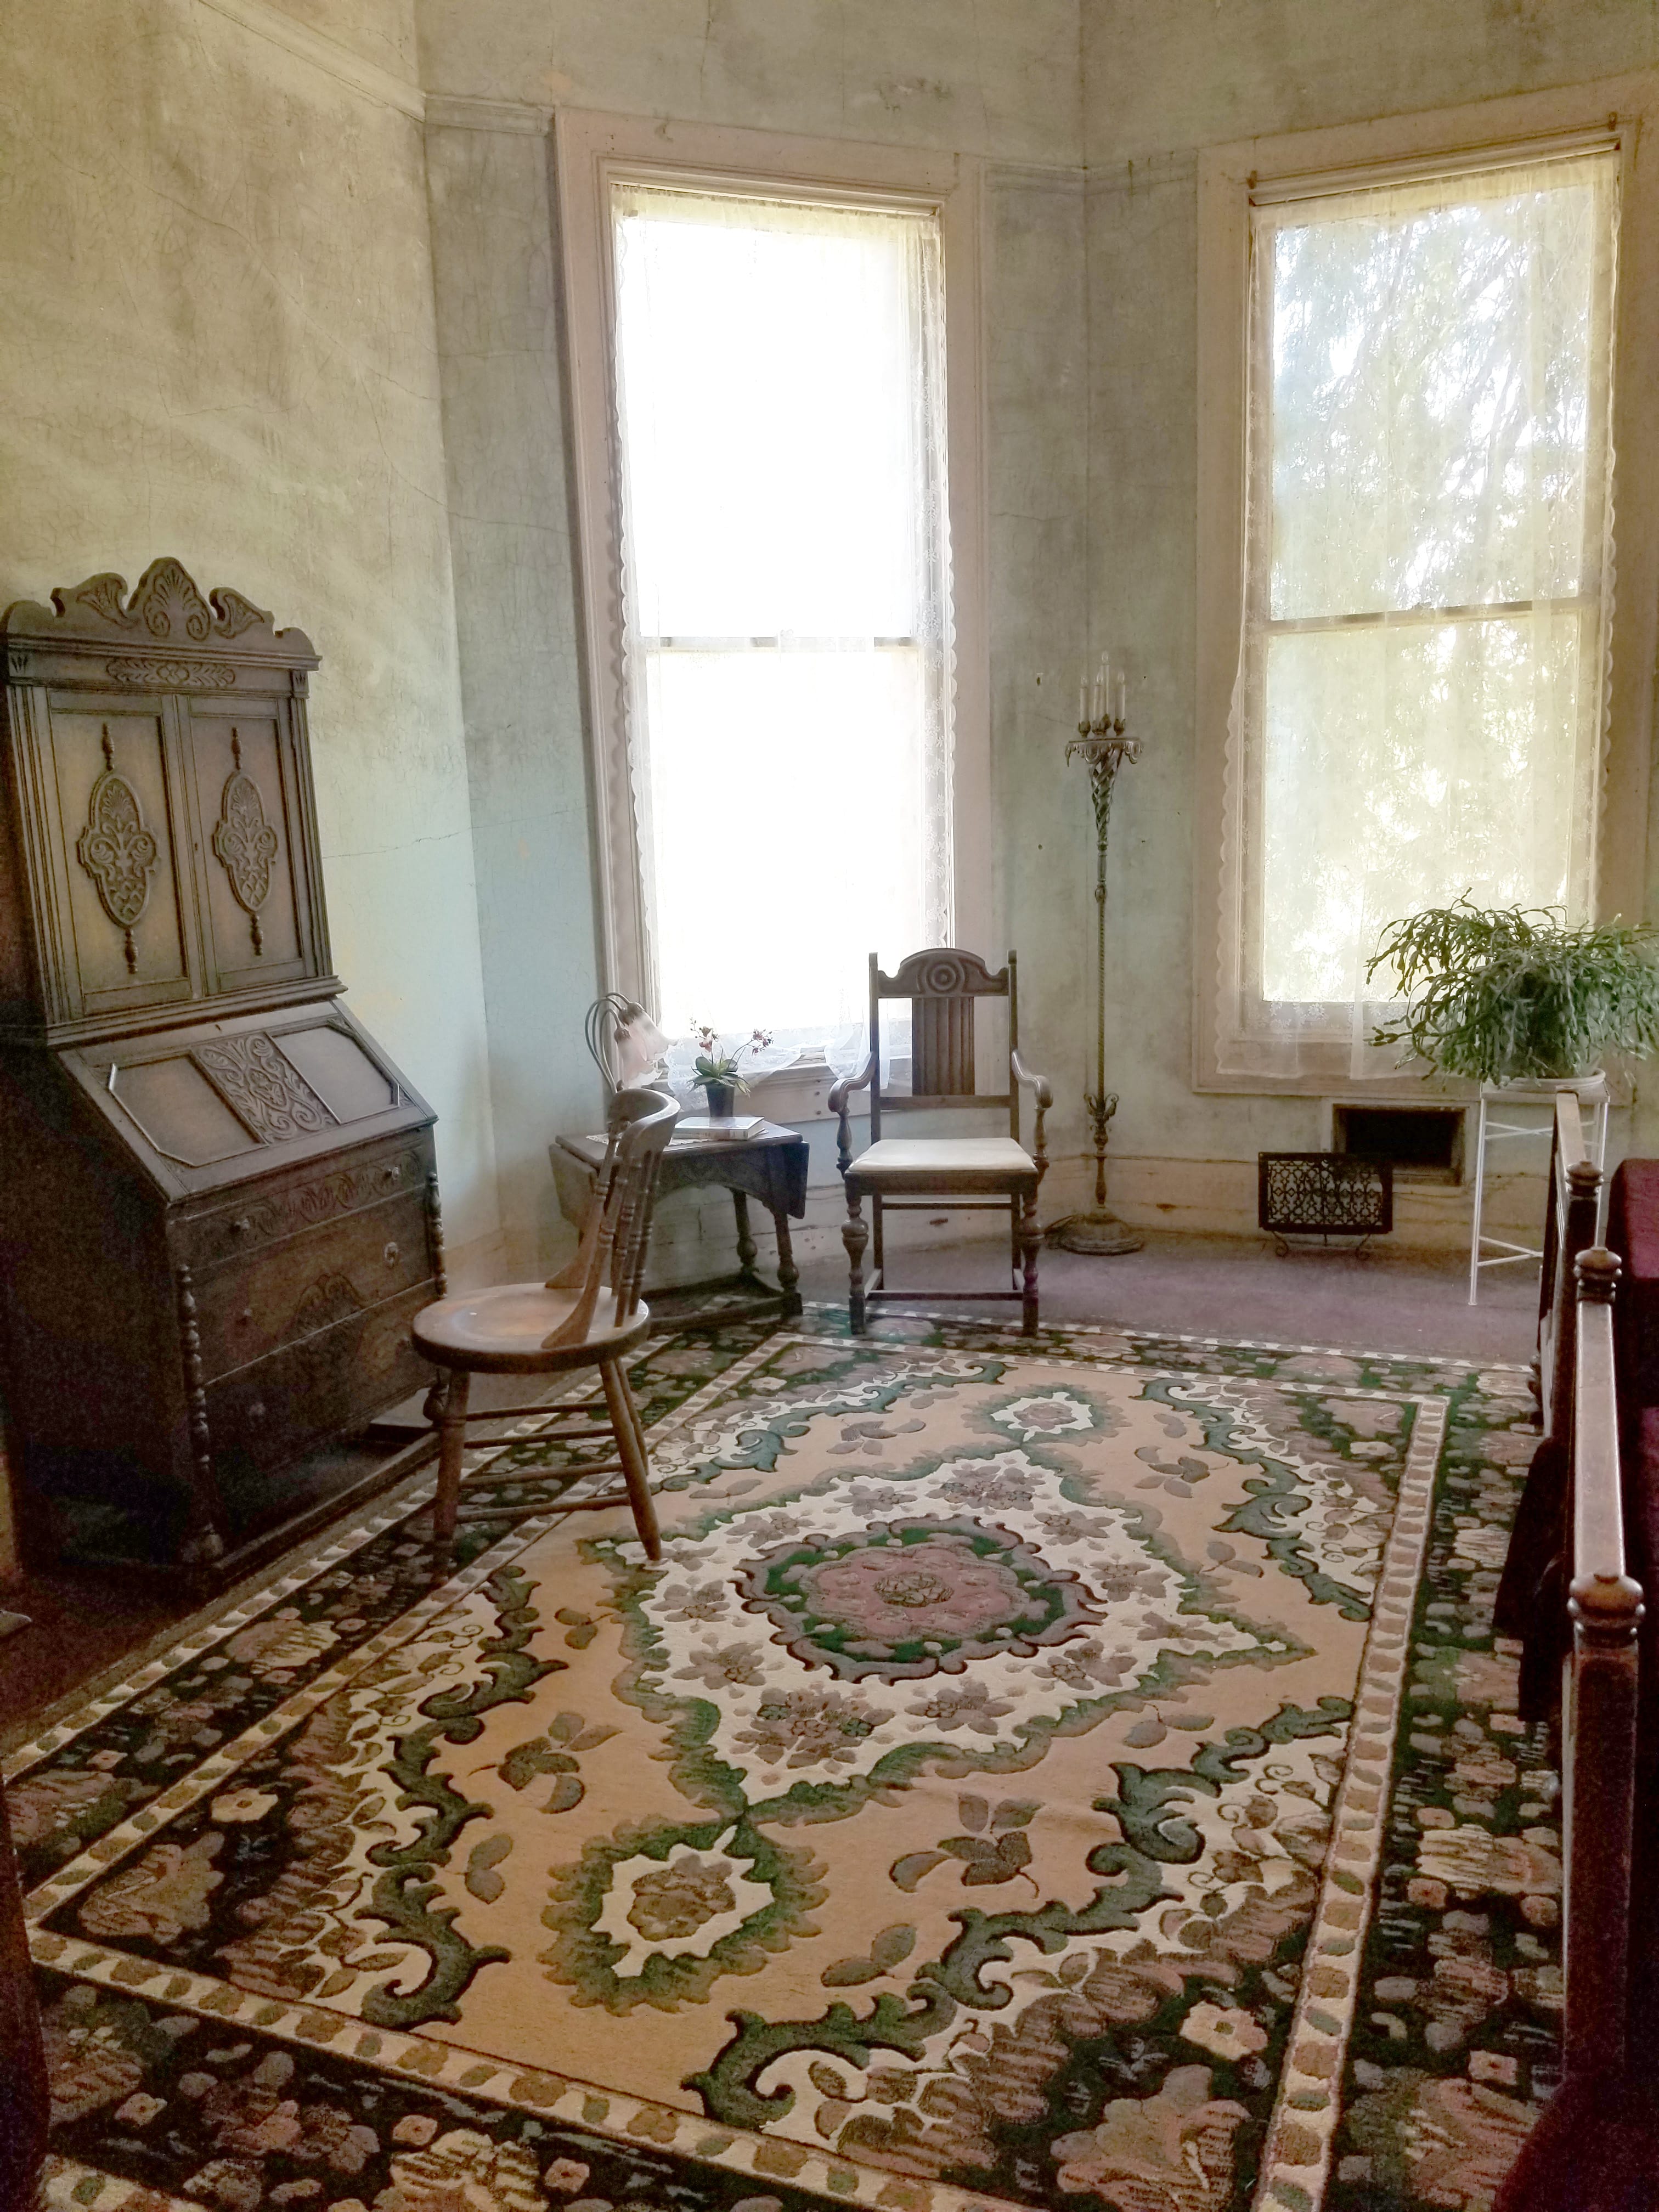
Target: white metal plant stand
column 1590, row 1091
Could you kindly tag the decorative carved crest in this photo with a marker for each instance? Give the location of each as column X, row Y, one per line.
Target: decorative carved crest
column 265, row 1090
column 166, row 602
column 244, row 842
column 330, row 1299
column 234, row 613
column 173, row 675
column 165, row 608
column 117, row 851
column 943, row 972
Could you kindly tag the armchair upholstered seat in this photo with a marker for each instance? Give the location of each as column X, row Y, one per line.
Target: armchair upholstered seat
column 916, row 1163
column 928, row 1173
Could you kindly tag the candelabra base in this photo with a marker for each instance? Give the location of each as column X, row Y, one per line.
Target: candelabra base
column 1099, row 1233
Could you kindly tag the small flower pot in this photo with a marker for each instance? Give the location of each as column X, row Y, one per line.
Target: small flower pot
column 722, row 1101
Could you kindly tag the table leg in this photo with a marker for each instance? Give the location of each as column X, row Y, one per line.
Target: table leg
column 748, row 1251
column 788, row 1272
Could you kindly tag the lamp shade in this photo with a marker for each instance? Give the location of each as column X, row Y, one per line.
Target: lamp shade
column 640, row 1045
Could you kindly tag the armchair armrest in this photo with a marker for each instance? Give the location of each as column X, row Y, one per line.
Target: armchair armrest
column 841, row 1105
column 1042, row 1097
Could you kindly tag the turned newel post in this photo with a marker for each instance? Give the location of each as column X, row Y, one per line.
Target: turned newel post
column 1599, row 1720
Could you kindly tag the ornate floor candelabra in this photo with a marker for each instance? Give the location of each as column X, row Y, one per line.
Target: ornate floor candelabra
column 1102, row 747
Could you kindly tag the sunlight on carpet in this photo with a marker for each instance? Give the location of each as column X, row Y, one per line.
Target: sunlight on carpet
column 1072, row 1770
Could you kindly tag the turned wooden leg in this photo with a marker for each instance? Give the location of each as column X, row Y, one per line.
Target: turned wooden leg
column 630, row 1449
column 446, row 1403
column 854, row 1234
column 788, row 1272
column 748, row 1251
column 1031, row 1243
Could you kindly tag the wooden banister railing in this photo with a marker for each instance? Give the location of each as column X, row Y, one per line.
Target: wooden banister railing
column 1600, row 1697
column 1572, row 1211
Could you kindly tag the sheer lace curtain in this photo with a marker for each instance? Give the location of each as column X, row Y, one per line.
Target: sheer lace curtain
column 779, row 368
column 1419, row 706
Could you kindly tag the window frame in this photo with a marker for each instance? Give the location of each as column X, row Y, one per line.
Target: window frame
column 1613, row 110
column 591, row 150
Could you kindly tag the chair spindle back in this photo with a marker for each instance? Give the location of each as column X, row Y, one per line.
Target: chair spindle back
column 619, row 1227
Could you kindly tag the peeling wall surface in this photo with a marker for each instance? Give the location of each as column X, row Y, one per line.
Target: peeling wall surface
column 999, row 79
column 515, row 560
column 218, row 342
column 1164, row 78
column 257, row 315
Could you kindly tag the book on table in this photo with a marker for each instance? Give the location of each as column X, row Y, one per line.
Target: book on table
column 713, row 1129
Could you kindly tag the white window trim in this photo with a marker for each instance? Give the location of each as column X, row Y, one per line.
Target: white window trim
column 1618, row 107
column 589, row 151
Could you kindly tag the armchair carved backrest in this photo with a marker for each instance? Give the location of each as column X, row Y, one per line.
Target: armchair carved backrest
column 944, row 986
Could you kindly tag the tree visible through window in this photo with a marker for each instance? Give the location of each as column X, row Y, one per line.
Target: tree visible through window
column 1428, row 570
column 779, row 367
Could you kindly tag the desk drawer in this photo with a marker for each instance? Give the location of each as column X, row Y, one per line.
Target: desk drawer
column 335, row 1380
column 270, row 1213
column 292, row 1290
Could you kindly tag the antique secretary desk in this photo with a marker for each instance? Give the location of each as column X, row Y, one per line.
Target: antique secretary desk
column 218, row 1210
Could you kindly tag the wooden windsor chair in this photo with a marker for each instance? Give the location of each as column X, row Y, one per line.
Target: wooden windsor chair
column 590, row 1315
column 932, row 1173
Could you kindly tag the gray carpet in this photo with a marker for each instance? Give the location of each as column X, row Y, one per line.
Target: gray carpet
column 1390, row 1299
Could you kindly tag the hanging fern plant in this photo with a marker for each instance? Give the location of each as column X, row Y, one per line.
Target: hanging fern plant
column 1513, row 994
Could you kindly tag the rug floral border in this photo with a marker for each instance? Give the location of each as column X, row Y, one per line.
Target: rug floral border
column 1309, row 2103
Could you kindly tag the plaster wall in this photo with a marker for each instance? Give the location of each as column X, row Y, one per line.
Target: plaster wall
column 997, row 77
column 218, row 343
column 999, row 80
column 1162, row 79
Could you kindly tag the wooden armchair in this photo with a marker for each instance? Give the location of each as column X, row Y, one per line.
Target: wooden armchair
column 929, row 1175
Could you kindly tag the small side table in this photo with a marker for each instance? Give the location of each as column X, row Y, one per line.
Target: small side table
column 770, row 1167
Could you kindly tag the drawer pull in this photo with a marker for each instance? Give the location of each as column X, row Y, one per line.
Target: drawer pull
column 390, row 1174
column 391, row 1255
column 245, row 1317
column 241, row 1227
column 256, row 1412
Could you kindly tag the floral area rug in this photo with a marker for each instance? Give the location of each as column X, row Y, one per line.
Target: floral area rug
column 1075, row 1771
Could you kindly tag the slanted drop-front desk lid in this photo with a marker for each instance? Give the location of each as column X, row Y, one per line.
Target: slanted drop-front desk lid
column 202, row 1106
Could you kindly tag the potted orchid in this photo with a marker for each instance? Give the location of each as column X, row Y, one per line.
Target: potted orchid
column 717, row 1073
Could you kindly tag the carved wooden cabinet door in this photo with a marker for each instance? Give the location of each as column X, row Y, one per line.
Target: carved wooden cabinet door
column 161, row 796
column 249, row 798
column 120, row 908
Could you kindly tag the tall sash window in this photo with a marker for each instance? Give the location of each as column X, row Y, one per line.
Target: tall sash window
column 1422, row 681
column 784, row 547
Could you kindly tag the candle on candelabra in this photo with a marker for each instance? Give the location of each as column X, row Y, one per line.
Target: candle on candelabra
column 1082, row 699
column 1123, row 698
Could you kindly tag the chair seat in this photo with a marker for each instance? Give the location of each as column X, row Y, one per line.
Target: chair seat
column 940, row 1164
column 504, row 1330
